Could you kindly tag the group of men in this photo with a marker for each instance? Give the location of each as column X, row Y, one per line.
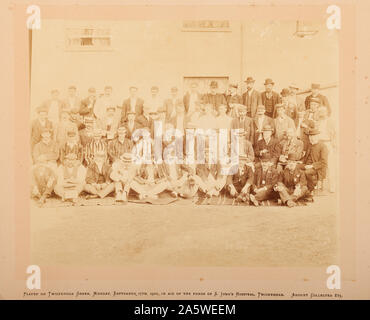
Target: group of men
column 87, row 146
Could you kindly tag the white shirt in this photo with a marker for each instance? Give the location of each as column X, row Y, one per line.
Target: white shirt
column 133, row 104
column 53, row 114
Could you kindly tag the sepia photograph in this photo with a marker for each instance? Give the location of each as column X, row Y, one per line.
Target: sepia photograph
column 187, row 143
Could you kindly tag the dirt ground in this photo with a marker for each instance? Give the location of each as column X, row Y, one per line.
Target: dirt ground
column 186, row 235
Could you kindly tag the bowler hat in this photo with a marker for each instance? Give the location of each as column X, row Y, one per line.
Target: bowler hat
column 269, row 81
column 249, row 80
column 293, row 157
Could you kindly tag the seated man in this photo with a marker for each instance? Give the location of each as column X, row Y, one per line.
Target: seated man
column 149, row 181
column 96, row 143
column 240, row 183
column 209, row 177
column 46, row 151
column 316, row 161
column 180, row 180
column 122, row 174
column 268, row 145
column 292, row 183
column 70, row 179
column 265, row 179
column 43, row 181
column 109, row 123
column 98, row 182
column 87, row 133
column 120, row 145
column 289, row 144
column 72, row 145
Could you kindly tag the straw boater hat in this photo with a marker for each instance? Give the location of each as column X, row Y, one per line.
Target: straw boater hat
column 279, row 106
column 313, row 131
column 126, row 157
column 261, row 107
column 121, row 130
column 293, row 157
column 267, row 127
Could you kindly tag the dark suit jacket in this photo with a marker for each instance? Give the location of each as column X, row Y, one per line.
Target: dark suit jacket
column 186, row 100
column 215, row 99
column 324, row 102
column 233, row 99
column 169, row 107
column 126, row 108
column 239, row 181
column 247, row 125
column 291, row 179
column 252, row 102
column 267, row 179
column 275, row 100
column 256, row 130
column 84, row 110
column 273, row 147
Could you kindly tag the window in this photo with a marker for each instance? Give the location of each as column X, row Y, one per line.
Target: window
column 89, row 39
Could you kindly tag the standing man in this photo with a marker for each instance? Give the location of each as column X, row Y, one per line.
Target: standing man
column 39, row 125
column 282, row 122
column 88, row 104
column 154, row 102
column 251, row 98
column 245, row 126
column 54, row 106
column 104, row 102
column 315, row 93
column 72, row 102
column 270, row 98
column 214, row 98
column 316, row 161
column 97, row 143
column 132, row 104
column 233, row 99
column 170, row 104
column 192, row 99
column 259, row 122
column 294, row 98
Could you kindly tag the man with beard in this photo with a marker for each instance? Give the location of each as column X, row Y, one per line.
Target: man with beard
column 240, row 183
column 265, row 180
column 259, row 122
column 251, row 98
column 292, row 184
column 270, row 98
column 233, row 99
column 315, row 93
column 214, row 97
